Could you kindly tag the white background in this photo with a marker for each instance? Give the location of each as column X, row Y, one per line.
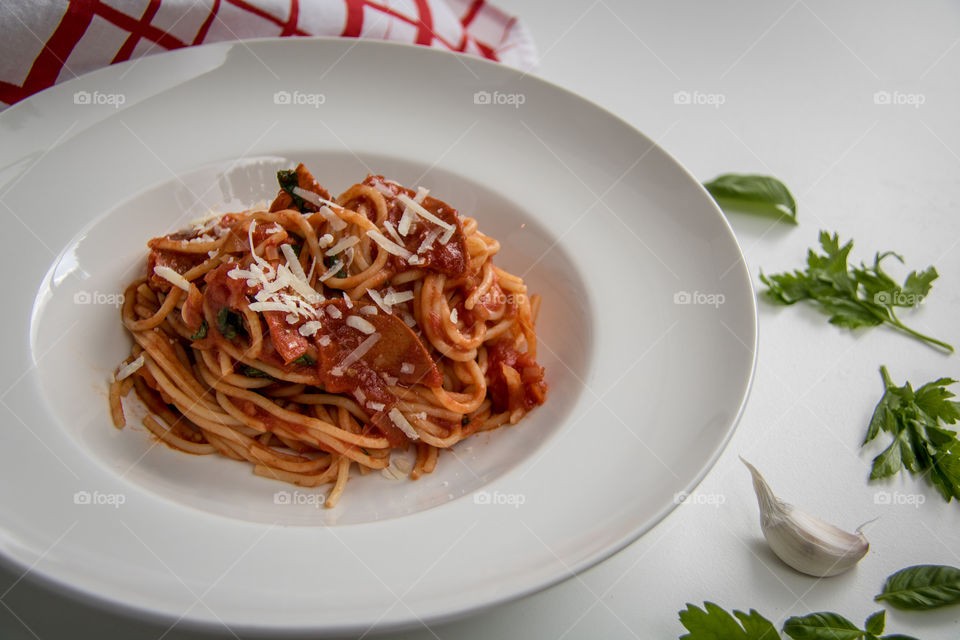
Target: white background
column 797, row 81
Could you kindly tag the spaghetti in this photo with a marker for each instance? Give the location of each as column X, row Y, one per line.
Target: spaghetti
column 321, row 334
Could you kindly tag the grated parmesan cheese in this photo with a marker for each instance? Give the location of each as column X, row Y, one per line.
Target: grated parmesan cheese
column 333, row 219
column 355, row 355
column 447, row 235
column 310, row 328
column 325, row 240
column 360, row 324
column 389, row 245
column 379, row 186
column 397, row 418
column 421, row 195
column 334, row 312
column 324, row 341
column 406, row 368
column 172, row 277
column 429, row 239
column 130, row 368
column 376, row 406
column 392, row 231
column 368, row 310
column 332, row 271
column 398, row 469
column 349, row 241
column 378, row 299
column 396, row 298
column 423, row 213
column 453, row 316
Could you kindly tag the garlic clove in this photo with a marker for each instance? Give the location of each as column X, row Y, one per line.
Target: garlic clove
column 802, row 540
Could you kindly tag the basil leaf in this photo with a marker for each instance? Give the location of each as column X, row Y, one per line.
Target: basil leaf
column 229, row 323
column 876, row 623
column 922, row 587
column 252, row 372
column 823, row 625
column 201, row 332
column 305, row 360
column 753, row 194
column 288, row 181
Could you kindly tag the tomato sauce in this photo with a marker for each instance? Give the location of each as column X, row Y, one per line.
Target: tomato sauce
column 534, row 389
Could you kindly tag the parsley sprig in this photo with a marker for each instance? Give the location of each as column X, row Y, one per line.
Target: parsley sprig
column 921, row 442
column 864, row 296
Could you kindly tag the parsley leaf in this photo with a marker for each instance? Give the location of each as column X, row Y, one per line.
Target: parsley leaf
column 252, row 372
column 921, row 442
column 922, row 587
column 305, row 360
column 753, row 194
column 864, row 296
column 714, row 623
column 201, row 332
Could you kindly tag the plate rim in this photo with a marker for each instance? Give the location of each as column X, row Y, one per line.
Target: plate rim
column 138, row 613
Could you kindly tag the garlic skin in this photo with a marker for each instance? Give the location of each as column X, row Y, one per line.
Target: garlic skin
column 804, row 541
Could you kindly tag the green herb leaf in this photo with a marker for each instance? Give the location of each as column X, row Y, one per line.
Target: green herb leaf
column 252, row 372
column 855, row 297
column 305, row 361
column 229, row 323
column 464, row 421
column 822, row 625
column 876, row 623
column 753, row 194
column 922, row 587
column 713, row 623
column 921, row 442
column 201, row 332
column 288, row 181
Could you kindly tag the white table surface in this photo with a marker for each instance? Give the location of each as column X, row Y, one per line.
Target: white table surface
column 796, row 81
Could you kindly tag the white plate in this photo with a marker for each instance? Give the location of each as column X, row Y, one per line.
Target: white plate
column 648, row 334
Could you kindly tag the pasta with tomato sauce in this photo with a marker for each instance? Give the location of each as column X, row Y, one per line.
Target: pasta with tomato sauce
column 317, row 335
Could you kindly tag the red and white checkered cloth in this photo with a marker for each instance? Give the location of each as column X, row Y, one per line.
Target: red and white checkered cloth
column 43, row 42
